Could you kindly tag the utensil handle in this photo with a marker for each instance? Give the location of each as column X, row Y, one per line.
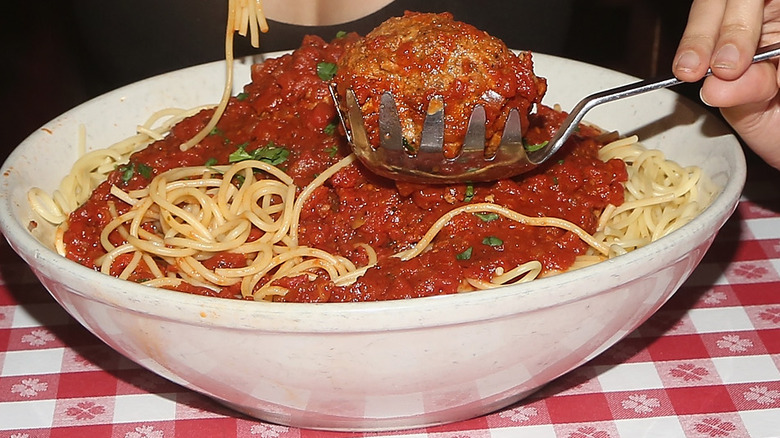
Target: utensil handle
column 578, row 112
column 762, row 54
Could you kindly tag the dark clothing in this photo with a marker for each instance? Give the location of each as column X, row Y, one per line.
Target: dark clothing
column 127, row 41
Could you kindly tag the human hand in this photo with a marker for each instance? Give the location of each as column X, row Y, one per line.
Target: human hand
column 723, row 35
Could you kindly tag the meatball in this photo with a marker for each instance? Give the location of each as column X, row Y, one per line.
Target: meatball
column 421, row 55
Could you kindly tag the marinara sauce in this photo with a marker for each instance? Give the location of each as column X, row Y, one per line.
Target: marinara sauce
column 287, row 105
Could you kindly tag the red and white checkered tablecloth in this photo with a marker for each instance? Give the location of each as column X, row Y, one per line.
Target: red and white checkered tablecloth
column 707, row 365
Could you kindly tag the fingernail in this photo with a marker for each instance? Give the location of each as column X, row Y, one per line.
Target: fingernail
column 688, row 61
column 727, row 57
column 701, row 97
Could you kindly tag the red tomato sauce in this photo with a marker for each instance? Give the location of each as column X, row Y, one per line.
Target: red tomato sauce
column 288, row 105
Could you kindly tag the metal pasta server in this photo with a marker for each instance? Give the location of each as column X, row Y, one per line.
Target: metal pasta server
column 429, row 165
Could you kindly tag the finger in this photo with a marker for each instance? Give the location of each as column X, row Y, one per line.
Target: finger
column 758, row 85
column 699, row 38
column 758, row 125
column 739, row 35
column 756, row 115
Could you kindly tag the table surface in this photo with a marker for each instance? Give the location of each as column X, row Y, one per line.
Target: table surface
column 707, row 364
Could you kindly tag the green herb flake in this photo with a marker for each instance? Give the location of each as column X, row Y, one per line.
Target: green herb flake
column 326, row 70
column 465, row 255
column 215, row 131
column 492, row 241
column 240, row 154
column 535, row 147
column 330, row 129
column 270, row 153
column 242, row 96
column 144, row 169
column 560, row 161
column 341, row 34
column 555, row 180
column 487, row 217
column 127, row 172
column 210, row 162
column 469, row 193
column 332, row 151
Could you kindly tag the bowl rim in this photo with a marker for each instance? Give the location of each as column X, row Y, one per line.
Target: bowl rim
column 354, row 316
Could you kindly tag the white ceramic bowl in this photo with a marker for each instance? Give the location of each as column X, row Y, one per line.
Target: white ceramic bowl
column 381, row 365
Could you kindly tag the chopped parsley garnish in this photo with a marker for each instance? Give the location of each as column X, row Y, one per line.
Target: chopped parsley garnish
column 210, row 162
column 129, row 170
column 465, row 255
column 330, row 129
column 242, row 96
column 555, row 180
column 535, row 147
column 215, row 131
column 469, row 193
column 332, row 151
column 269, row 153
column 326, row 70
column 492, row 241
column 341, row 34
column 144, row 170
column 487, row 217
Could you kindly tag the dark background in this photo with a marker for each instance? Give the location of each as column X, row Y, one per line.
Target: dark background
column 57, row 54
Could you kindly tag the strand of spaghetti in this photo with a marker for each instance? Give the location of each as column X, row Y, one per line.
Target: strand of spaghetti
column 196, row 269
column 248, row 283
column 173, row 282
column 143, row 214
column 253, row 247
column 200, row 206
column 297, row 268
column 370, row 253
column 226, row 92
column 257, row 22
column 159, row 248
column 109, row 258
column 351, row 277
column 509, row 214
column 137, row 255
column 261, row 215
column 528, row 271
column 642, row 203
column 122, row 195
column 262, row 259
column 228, row 172
column 247, row 8
column 286, row 220
column 318, row 181
column 158, row 192
column 45, row 206
column 269, row 291
column 152, row 265
column 242, row 228
column 619, row 148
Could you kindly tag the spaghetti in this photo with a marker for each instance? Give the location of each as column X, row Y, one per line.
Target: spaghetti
column 266, row 205
column 243, row 16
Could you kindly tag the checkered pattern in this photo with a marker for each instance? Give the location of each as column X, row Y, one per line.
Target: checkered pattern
column 706, row 365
